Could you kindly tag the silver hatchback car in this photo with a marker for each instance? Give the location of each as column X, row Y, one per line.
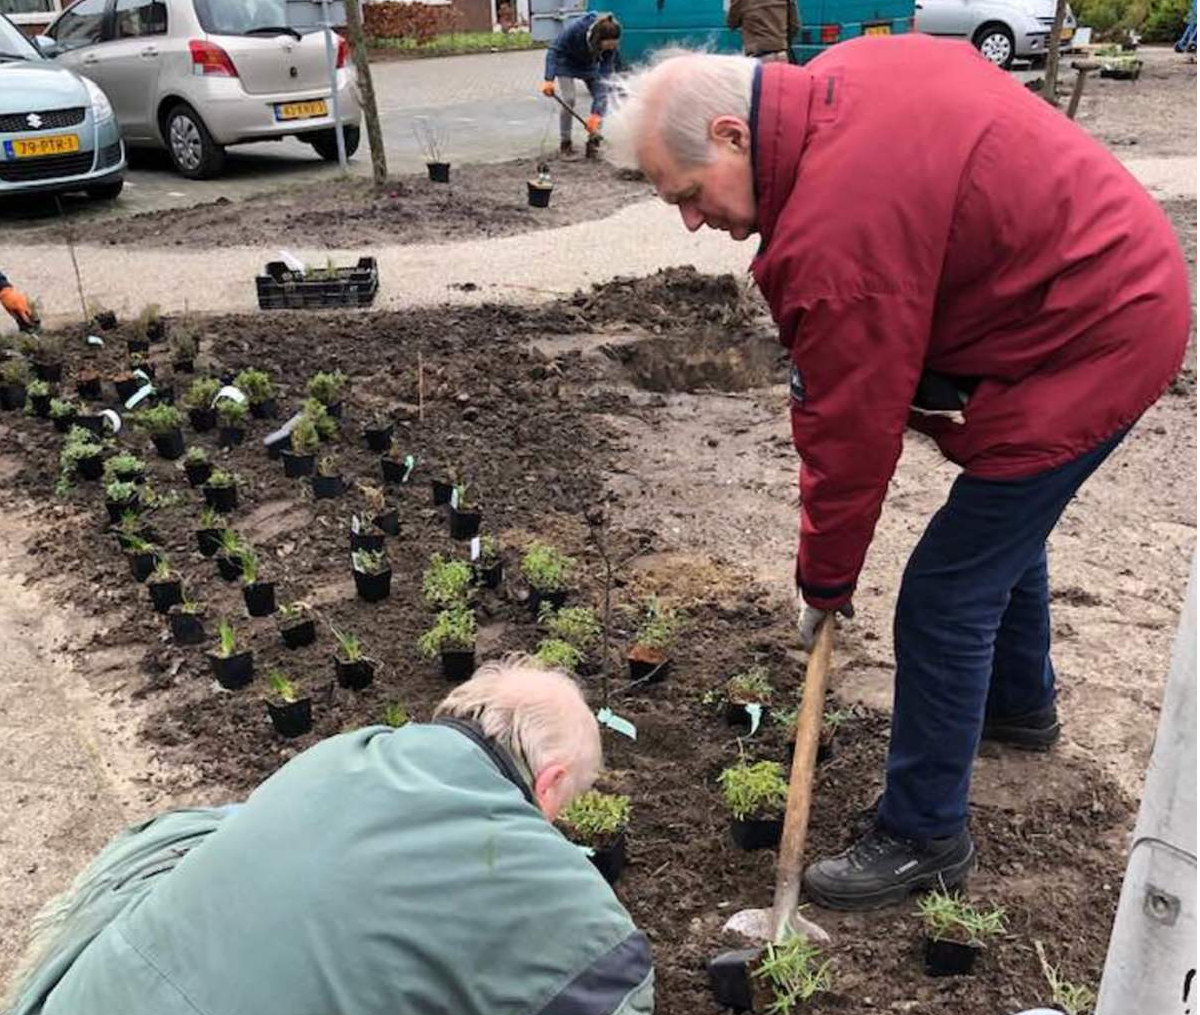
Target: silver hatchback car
column 194, row 76
column 1002, row 30
column 57, row 130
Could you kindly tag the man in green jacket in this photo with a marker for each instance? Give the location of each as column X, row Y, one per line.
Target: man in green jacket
column 380, row 872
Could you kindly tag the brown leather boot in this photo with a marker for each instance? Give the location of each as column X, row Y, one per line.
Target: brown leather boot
column 566, row 148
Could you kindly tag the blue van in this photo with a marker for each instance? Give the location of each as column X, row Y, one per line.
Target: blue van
column 647, row 25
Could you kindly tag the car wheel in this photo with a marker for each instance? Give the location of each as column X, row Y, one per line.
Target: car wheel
column 106, row 191
column 325, row 142
column 996, row 43
column 193, row 151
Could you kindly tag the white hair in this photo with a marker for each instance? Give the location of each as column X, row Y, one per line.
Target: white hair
column 678, row 96
column 538, row 715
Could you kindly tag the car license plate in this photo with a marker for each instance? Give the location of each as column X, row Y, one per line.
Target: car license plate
column 1067, row 34
column 300, row 110
column 877, row 30
column 36, row 147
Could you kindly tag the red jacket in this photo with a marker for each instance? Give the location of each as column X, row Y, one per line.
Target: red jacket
column 921, row 211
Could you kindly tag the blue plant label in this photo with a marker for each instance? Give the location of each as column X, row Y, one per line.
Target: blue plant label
column 95, row 340
column 142, row 393
column 585, row 850
column 410, row 463
column 476, row 548
column 755, row 713
column 114, row 420
column 607, row 717
column 229, row 391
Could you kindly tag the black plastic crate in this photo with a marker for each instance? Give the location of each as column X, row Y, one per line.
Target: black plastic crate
column 281, row 288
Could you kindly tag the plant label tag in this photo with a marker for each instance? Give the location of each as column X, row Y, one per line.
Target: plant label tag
column 454, row 498
column 95, row 340
column 607, row 717
column 229, row 391
column 755, row 713
column 355, row 525
column 283, row 433
column 410, row 463
column 142, row 374
column 292, row 261
column 585, row 850
column 114, row 420
column 475, row 548
column 142, row 393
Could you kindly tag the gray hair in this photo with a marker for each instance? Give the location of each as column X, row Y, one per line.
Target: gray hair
column 678, row 96
column 538, row 715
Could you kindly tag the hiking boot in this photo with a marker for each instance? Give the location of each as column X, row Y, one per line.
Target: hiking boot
column 566, row 148
column 1031, row 731
column 883, row 870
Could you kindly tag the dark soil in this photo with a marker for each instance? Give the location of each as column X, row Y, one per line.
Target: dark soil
column 530, row 434
column 479, row 201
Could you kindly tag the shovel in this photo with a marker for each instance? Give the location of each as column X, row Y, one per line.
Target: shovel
column 593, row 141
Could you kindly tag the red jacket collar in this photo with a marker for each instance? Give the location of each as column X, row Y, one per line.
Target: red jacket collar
column 779, row 120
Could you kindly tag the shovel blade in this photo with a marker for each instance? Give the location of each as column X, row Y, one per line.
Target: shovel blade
column 757, row 924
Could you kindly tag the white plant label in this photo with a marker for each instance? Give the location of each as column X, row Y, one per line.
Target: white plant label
column 142, row 393
column 607, row 717
column 95, row 340
column 114, row 420
column 292, row 261
column 229, row 391
column 454, row 498
column 410, row 463
column 476, row 548
column 755, row 713
column 142, row 374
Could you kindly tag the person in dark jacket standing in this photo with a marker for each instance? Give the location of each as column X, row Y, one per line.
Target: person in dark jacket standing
column 585, row 50
column 767, row 26
column 941, row 249
column 17, row 305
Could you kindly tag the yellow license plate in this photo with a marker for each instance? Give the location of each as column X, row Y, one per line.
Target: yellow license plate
column 1067, row 34
column 35, row 147
column 877, row 30
column 301, row 110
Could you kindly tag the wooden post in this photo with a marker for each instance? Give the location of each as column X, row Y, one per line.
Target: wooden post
column 366, row 89
column 1050, row 84
column 1081, row 71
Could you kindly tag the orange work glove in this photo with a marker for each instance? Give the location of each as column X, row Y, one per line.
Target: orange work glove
column 547, row 88
column 14, row 301
column 593, row 124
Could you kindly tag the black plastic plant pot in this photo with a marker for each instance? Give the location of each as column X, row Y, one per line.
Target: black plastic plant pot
column 388, row 521
column 156, row 330
column 127, row 387
column 730, row 975
column 187, row 628
column 91, row 422
column 208, row 541
column 392, row 471
column 198, row 472
column 106, row 320
column 555, row 599
column 439, row 172
column 142, row 564
column 169, row 445
column 12, row 396
column 231, row 436
column 125, row 539
column 138, row 344
column 221, row 498
column 648, row 671
column 327, row 487
column 277, row 445
column 490, row 575
column 379, row 437
column 373, row 588
column 737, row 717
column 295, row 466
column 165, row 394
column 51, row 373
column 458, row 664
column 266, row 409
column 372, row 542
column 116, row 508
column 949, row 958
column 610, row 860
column 202, row 420
column 335, row 409
column 539, row 197
column 64, row 423
column 166, row 594
column 183, row 366
column 756, row 833
column 233, row 671
column 135, row 476
column 291, row 718
column 442, row 492
column 229, row 568
column 91, row 467
column 41, row 405
column 89, row 388
column 464, row 524
column 260, row 598
column 355, row 675
column 299, row 635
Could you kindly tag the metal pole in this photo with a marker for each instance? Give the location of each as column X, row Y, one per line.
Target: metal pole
column 331, row 60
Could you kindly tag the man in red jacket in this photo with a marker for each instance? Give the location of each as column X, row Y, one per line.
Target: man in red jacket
column 940, row 248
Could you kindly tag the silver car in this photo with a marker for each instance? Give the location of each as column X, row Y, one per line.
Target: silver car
column 57, row 130
column 1002, row 30
column 194, row 76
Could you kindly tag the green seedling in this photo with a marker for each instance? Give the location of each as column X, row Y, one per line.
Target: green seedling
column 282, row 686
column 231, row 543
column 793, row 972
column 395, row 715
column 327, row 466
column 446, row 583
column 659, row 628
column 148, row 321
column 220, row 479
column 158, row 420
column 556, row 654
column 327, row 387
column 249, row 561
column 453, row 629
column 369, row 562
column 228, row 641
column 195, row 456
column 119, row 492
column 201, row 392
column 594, row 818
column 163, row 572
column 304, row 437
column 37, row 389
column 124, row 464
column 578, row 626
column 1072, row 998
column 210, row 518
column 349, row 647
column 949, row 917
column 61, row 408
column 231, row 413
column 755, row 790
column 315, row 412
column 546, row 569
column 255, row 384
column 750, row 687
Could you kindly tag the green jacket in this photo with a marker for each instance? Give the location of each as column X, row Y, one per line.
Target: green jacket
column 380, row 872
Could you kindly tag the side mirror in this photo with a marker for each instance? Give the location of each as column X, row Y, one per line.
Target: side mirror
column 46, row 46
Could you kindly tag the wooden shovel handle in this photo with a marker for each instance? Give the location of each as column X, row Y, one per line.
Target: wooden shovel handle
column 799, row 801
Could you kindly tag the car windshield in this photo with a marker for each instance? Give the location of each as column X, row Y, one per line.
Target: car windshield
column 13, row 45
column 244, row 17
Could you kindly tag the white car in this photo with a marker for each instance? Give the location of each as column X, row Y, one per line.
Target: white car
column 1002, row 30
column 194, row 76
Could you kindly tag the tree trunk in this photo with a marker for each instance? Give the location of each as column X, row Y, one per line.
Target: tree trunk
column 1050, row 84
column 366, row 89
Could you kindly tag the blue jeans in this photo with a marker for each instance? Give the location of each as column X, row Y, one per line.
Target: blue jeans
column 972, row 637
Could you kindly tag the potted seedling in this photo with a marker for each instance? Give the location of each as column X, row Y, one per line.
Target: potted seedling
column 297, row 627
column 442, row 491
column 150, row 325
column 298, row 460
column 187, row 623
column 745, row 691
column 777, row 979
column 101, row 317
column 354, row 669
column 82, row 455
column 233, row 669
column 453, row 638
column 382, row 517
column 126, row 385
column 165, row 586
column 446, row 583
column 88, row 385
column 548, row 572
column 378, row 434
column 597, row 822
column 130, row 529
column 316, row 411
column 259, row 595
column 47, row 356
column 142, row 554
column 488, row 567
column 395, row 715
column 541, row 187
column 650, row 657
column 955, row 932
column 575, row 627
column 464, row 516
column 197, row 466
column 14, row 380
column 290, row 713
column 220, row 492
column 327, row 483
column 62, row 414
column 162, row 423
column 556, row 654
column 395, row 466
column 125, row 468
column 38, row 394
column 198, row 401
column 328, row 388
column 260, row 389
column 431, row 139
column 364, row 535
column 120, row 497
column 231, row 419
column 229, row 563
column 208, row 535
column 372, row 575
column 756, row 795
column 184, row 348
